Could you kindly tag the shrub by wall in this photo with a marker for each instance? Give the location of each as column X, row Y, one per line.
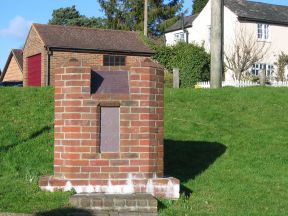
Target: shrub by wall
column 281, row 64
column 192, row 60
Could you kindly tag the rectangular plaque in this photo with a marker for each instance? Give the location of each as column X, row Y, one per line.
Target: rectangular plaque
column 110, row 129
column 112, row 82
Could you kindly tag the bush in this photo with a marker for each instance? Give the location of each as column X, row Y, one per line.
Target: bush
column 168, row 79
column 281, row 64
column 164, row 55
column 192, row 60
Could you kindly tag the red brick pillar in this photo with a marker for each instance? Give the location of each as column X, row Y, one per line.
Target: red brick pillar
column 75, row 127
column 147, row 86
column 137, row 165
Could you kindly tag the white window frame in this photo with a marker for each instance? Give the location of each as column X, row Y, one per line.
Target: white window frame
column 263, row 33
column 256, row 68
column 179, row 37
column 269, row 70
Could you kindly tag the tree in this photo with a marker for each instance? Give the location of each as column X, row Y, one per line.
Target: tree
column 63, row 16
column 129, row 14
column 243, row 52
column 281, row 64
column 89, row 22
column 70, row 16
column 198, row 6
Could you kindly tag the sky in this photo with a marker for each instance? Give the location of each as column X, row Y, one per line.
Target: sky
column 18, row 15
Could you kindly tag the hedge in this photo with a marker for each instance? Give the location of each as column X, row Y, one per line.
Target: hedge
column 192, row 60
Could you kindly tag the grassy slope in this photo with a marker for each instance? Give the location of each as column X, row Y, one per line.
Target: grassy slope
column 241, row 136
column 26, row 149
column 228, row 147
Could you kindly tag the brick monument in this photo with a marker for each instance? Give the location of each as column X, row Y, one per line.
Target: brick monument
column 109, row 130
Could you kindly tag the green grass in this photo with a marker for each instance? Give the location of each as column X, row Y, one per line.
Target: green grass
column 229, row 148
column 26, row 150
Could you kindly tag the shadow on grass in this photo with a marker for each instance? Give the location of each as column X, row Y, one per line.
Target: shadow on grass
column 32, row 136
column 66, row 212
column 187, row 159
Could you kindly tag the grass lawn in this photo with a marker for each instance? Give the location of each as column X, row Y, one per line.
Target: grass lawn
column 229, row 148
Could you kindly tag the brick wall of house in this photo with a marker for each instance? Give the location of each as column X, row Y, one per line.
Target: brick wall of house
column 78, row 162
column 33, row 46
column 94, row 60
column 13, row 72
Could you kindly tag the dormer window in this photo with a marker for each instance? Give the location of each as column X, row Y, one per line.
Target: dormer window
column 179, row 37
column 263, row 31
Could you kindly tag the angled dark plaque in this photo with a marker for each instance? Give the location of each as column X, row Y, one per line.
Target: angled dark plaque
column 113, row 82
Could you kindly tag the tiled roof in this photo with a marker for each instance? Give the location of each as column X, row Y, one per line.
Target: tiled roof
column 258, row 11
column 178, row 25
column 80, row 38
column 18, row 53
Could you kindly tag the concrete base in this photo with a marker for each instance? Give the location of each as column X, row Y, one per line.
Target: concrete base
column 168, row 188
column 116, row 205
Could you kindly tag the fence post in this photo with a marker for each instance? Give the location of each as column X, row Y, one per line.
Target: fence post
column 262, row 77
column 176, row 81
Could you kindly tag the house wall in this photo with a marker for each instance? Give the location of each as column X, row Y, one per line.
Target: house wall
column 200, row 34
column 33, row 46
column 170, row 37
column 200, row 31
column 13, row 72
column 276, row 43
column 94, row 60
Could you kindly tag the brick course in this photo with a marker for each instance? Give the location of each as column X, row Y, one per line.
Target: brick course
column 78, row 162
column 136, row 204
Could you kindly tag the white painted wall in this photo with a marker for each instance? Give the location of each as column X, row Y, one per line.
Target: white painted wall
column 276, row 43
column 200, row 31
column 170, row 37
column 200, row 34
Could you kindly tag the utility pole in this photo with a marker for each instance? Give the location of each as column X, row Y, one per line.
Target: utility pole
column 216, row 44
column 146, row 17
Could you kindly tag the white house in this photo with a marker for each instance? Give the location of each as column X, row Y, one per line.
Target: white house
column 266, row 22
column 180, row 31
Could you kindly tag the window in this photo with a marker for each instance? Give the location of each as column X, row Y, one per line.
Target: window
column 256, row 69
column 269, row 70
column 114, row 60
column 263, row 31
column 179, row 37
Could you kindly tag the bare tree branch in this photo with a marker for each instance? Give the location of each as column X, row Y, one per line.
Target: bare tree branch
column 244, row 51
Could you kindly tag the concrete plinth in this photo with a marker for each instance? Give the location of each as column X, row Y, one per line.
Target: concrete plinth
column 168, row 188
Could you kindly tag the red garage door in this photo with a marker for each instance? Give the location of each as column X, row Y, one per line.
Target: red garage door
column 34, row 70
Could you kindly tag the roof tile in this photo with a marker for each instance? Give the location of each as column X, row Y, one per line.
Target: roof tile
column 91, row 39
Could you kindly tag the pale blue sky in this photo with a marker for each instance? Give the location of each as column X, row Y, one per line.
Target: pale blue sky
column 17, row 16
